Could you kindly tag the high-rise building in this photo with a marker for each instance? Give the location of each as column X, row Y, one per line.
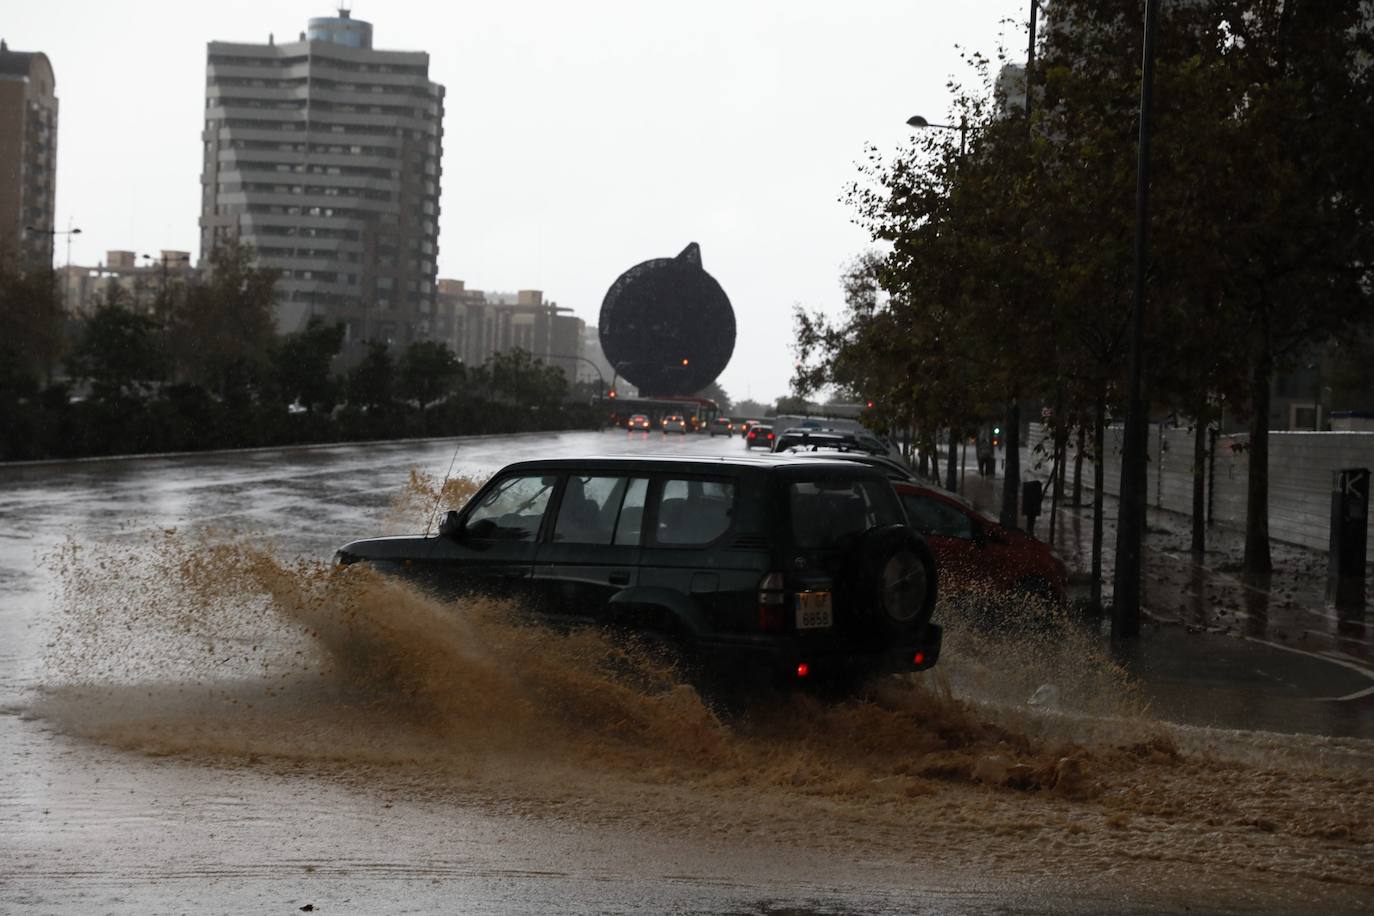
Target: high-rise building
column 28, row 156
column 324, row 155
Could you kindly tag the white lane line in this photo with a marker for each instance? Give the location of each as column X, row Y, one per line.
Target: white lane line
column 1359, row 669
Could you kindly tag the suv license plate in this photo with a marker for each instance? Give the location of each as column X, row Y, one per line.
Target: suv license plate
column 813, row 610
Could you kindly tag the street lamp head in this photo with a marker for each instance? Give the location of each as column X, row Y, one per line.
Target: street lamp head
column 917, row 121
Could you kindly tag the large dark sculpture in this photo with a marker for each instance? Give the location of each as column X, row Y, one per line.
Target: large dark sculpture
column 667, row 326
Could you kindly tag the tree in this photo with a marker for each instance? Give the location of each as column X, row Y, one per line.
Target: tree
column 32, row 316
column 120, row 353
column 372, row 382
column 718, row 394
column 223, row 328
column 302, row 364
column 429, row 372
column 750, row 408
column 517, row 377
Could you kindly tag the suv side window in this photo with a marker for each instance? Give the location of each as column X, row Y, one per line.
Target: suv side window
column 931, row 516
column 826, row 511
column 694, row 512
column 590, row 510
column 512, row 510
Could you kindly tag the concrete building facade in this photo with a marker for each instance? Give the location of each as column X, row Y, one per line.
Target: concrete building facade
column 478, row 324
column 28, row 156
column 141, row 280
column 324, row 155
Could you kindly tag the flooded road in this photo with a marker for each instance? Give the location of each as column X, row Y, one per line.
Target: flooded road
column 198, row 715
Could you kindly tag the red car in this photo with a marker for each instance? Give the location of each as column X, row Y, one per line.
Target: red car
column 973, row 551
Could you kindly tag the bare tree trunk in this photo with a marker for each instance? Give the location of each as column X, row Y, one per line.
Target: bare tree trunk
column 1078, row 462
column 1200, row 439
column 1258, row 562
column 952, row 466
column 1099, row 447
column 1011, row 483
column 1055, row 490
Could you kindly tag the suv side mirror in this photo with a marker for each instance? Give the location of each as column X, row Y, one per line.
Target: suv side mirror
column 450, row 527
column 482, row 530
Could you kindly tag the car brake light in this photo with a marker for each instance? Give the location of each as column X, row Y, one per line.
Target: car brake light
column 770, row 435
column 803, row 669
column 920, row 658
column 772, row 597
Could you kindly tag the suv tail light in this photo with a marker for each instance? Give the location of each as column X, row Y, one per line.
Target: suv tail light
column 772, row 598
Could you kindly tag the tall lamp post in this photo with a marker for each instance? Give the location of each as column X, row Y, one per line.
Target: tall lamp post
column 1130, row 531
column 162, row 281
column 53, row 234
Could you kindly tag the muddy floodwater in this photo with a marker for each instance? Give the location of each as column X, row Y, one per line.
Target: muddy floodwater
column 198, row 714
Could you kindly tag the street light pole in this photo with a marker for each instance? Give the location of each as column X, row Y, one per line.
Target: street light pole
column 1130, row 532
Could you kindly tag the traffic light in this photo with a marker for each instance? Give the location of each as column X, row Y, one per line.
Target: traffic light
column 612, row 392
column 870, row 405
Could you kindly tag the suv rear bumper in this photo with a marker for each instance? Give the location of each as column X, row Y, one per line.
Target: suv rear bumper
column 785, row 656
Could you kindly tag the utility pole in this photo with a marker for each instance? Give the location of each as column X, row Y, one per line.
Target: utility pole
column 1130, row 527
column 1011, row 482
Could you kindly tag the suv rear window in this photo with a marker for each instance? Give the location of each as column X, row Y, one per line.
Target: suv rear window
column 694, row 512
column 827, row 511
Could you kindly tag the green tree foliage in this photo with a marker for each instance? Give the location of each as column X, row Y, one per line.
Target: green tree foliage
column 32, row 317
column 514, row 376
column 716, row 393
column 1006, row 273
column 749, row 408
column 429, row 372
column 302, row 362
column 120, row 353
column 222, row 331
column 372, row 383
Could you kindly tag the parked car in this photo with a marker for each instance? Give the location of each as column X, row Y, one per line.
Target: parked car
column 721, row 426
column 975, row 552
column 759, row 436
column 798, row 438
column 891, row 468
column 800, row 569
column 637, row 423
column 674, row 423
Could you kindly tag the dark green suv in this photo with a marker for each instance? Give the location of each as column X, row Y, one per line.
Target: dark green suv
column 791, row 567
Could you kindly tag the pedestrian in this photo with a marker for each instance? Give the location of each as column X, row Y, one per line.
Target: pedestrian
column 987, row 463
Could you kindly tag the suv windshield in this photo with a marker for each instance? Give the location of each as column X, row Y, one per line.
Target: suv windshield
column 829, row 511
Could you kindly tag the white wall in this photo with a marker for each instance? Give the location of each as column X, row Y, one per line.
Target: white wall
column 1301, row 466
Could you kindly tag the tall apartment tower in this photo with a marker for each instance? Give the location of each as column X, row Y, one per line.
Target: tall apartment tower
column 28, row 156
column 324, row 155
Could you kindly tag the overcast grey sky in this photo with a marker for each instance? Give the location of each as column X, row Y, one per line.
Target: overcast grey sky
column 581, row 136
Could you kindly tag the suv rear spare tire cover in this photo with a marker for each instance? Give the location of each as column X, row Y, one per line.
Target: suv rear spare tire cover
column 892, row 581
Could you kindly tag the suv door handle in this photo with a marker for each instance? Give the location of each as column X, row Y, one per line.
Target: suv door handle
column 620, row 578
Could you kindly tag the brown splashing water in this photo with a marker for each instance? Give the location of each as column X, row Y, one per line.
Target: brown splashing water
column 211, row 646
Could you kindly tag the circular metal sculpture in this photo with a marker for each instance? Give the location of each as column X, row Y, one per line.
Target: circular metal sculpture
column 667, row 326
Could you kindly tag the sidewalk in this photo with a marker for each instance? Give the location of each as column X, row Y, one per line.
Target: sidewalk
column 1213, row 650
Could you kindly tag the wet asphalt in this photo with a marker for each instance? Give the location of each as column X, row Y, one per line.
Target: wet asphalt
column 87, row 829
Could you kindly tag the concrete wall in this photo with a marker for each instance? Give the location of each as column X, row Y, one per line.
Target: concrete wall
column 1300, row 476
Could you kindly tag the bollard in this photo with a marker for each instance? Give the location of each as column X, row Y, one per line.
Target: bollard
column 1349, row 536
column 1031, row 495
